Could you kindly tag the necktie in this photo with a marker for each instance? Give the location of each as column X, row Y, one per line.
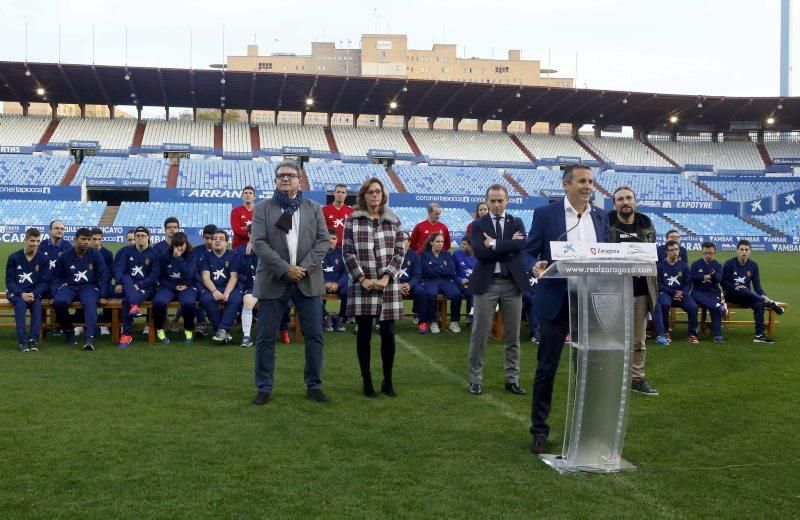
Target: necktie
column 499, row 236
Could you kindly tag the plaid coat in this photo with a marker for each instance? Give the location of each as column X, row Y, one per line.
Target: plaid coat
column 373, row 248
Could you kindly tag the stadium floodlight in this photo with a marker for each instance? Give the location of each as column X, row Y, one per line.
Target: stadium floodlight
column 699, row 105
column 127, row 77
column 517, row 95
column 309, row 102
column 222, row 98
column 625, row 101
column 40, row 91
column 673, row 119
column 393, row 105
column 27, row 72
column 770, row 120
column 780, row 107
column 405, row 89
column 222, row 81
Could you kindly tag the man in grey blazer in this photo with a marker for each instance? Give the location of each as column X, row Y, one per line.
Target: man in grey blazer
column 290, row 239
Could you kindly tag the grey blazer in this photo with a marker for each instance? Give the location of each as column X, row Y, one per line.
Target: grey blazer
column 272, row 250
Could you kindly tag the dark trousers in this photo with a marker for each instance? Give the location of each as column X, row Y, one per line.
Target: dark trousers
column 188, row 300
column 447, row 288
column 309, row 310
column 222, row 320
column 132, row 296
column 88, row 297
column 711, row 302
column 527, row 304
column 551, row 343
column 21, row 307
column 665, row 302
column 363, row 347
column 747, row 298
column 466, row 293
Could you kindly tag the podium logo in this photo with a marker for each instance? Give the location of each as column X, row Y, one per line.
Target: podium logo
column 606, row 308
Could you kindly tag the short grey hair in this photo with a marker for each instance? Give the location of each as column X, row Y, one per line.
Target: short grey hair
column 288, row 164
column 432, row 207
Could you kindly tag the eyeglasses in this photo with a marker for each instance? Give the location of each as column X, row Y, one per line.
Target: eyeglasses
column 285, row 176
column 375, row 192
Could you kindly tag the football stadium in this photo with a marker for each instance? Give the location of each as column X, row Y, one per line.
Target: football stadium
column 131, row 395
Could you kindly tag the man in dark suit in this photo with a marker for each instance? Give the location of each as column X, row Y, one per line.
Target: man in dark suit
column 290, row 239
column 497, row 239
column 575, row 220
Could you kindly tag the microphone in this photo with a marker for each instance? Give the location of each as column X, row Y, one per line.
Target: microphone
column 565, row 233
column 609, row 226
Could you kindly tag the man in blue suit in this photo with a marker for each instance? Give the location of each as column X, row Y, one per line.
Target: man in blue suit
column 575, row 220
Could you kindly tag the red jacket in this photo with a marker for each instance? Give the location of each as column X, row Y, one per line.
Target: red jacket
column 423, row 230
column 334, row 219
column 240, row 218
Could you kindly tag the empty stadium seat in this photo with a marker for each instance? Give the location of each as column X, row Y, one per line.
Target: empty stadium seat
column 112, row 134
column 625, row 151
column 275, row 137
column 236, row 139
column 198, row 134
column 226, row 174
column 546, row 146
column 36, row 170
column 153, row 171
column 451, row 180
column 532, row 181
column 22, row 131
column 728, row 155
column 321, row 174
column 654, row 186
column 715, row 224
column 787, row 222
column 358, row 141
column 29, row 213
column 467, row 145
column 786, row 148
column 190, row 214
column 743, row 190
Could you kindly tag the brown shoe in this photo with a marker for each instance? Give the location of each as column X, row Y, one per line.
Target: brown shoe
column 540, row 445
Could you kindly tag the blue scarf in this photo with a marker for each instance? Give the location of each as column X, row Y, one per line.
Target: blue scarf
column 288, row 207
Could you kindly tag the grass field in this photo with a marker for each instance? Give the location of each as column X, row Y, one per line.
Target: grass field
column 169, row 431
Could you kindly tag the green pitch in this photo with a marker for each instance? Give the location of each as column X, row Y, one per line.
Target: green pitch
column 169, row 431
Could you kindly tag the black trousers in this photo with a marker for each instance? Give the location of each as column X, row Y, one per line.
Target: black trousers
column 551, row 343
column 363, row 347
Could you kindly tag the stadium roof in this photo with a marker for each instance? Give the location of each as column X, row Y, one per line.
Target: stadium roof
column 205, row 88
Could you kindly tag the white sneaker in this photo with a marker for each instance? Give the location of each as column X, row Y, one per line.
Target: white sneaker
column 78, row 331
column 454, row 327
column 415, row 320
column 104, row 331
column 435, row 328
column 146, row 330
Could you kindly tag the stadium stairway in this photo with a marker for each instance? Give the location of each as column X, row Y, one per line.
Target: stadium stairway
column 172, row 176
column 588, row 149
column 255, row 140
column 48, row 133
column 331, row 140
column 660, row 153
column 708, row 190
column 412, row 143
column 138, row 135
column 398, row 184
column 764, row 154
column 513, row 182
column 524, row 150
column 684, row 231
column 108, row 216
column 304, row 185
column 218, row 139
column 70, row 175
column 760, row 225
column 602, row 189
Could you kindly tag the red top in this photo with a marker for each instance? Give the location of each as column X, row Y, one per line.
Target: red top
column 469, row 229
column 334, row 219
column 240, row 218
column 423, row 230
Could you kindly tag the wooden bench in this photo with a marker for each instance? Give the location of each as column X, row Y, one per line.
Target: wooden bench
column 49, row 316
column 703, row 320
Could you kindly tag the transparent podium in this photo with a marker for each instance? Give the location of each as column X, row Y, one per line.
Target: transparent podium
column 600, row 286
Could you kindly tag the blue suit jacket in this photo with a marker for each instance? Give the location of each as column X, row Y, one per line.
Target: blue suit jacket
column 549, row 223
column 506, row 250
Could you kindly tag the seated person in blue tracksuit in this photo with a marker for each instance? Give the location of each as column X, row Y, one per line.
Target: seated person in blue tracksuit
column 674, row 287
column 741, row 281
column 80, row 274
column 136, row 271
column 27, row 279
column 248, row 264
column 706, row 276
column 177, row 282
column 219, row 270
column 55, row 245
column 527, row 308
column 674, row 235
column 438, row 277
column 335, row 275
column 409, row 276
column 108, row 256
column 465, row 263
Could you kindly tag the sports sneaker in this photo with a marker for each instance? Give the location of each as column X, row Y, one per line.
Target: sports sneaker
column 423, row 328
column 775, row 307
column 693, row 340
column 285, row 339
column 454, row 327
column 340, row 326
column 470, row 319
column 723, row 309
column 641, row 386
column 718, row 339
column 662, row 340
column 763, row 338
column 220, row 338
column 188, row 337
column 33, row 345
column 435, row 328
column 146, row 330
column 89, row 345
column 162, row 336
column 104, row 331
column 327, row 324
column 247, row 342
column 200, row 330
column 134, row 311
column 534, row 339
column 23, row 347
column 668, row 336
column 415, row 320
column 125, row 340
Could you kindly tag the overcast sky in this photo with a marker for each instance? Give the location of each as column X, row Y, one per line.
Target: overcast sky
column 707, row 47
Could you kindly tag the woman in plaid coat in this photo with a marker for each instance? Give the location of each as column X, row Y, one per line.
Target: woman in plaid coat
column 373, row 253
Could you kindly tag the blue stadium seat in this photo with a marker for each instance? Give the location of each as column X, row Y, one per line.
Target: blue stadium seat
column 152, row 171
column 654, row 186
column 29, row 213
column 784, row 221
column 153, row 214
column 715, row 224
column 36, row 170
column 321, row 174
column 743, row 190
column 449, row 180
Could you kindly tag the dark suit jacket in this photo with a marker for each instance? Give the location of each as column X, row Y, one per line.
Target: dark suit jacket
column 549, row 223
column 505, row 250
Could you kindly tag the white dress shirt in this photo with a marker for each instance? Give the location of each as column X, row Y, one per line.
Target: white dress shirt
column 497, row 268
column 583, row 232
column 293, row 236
